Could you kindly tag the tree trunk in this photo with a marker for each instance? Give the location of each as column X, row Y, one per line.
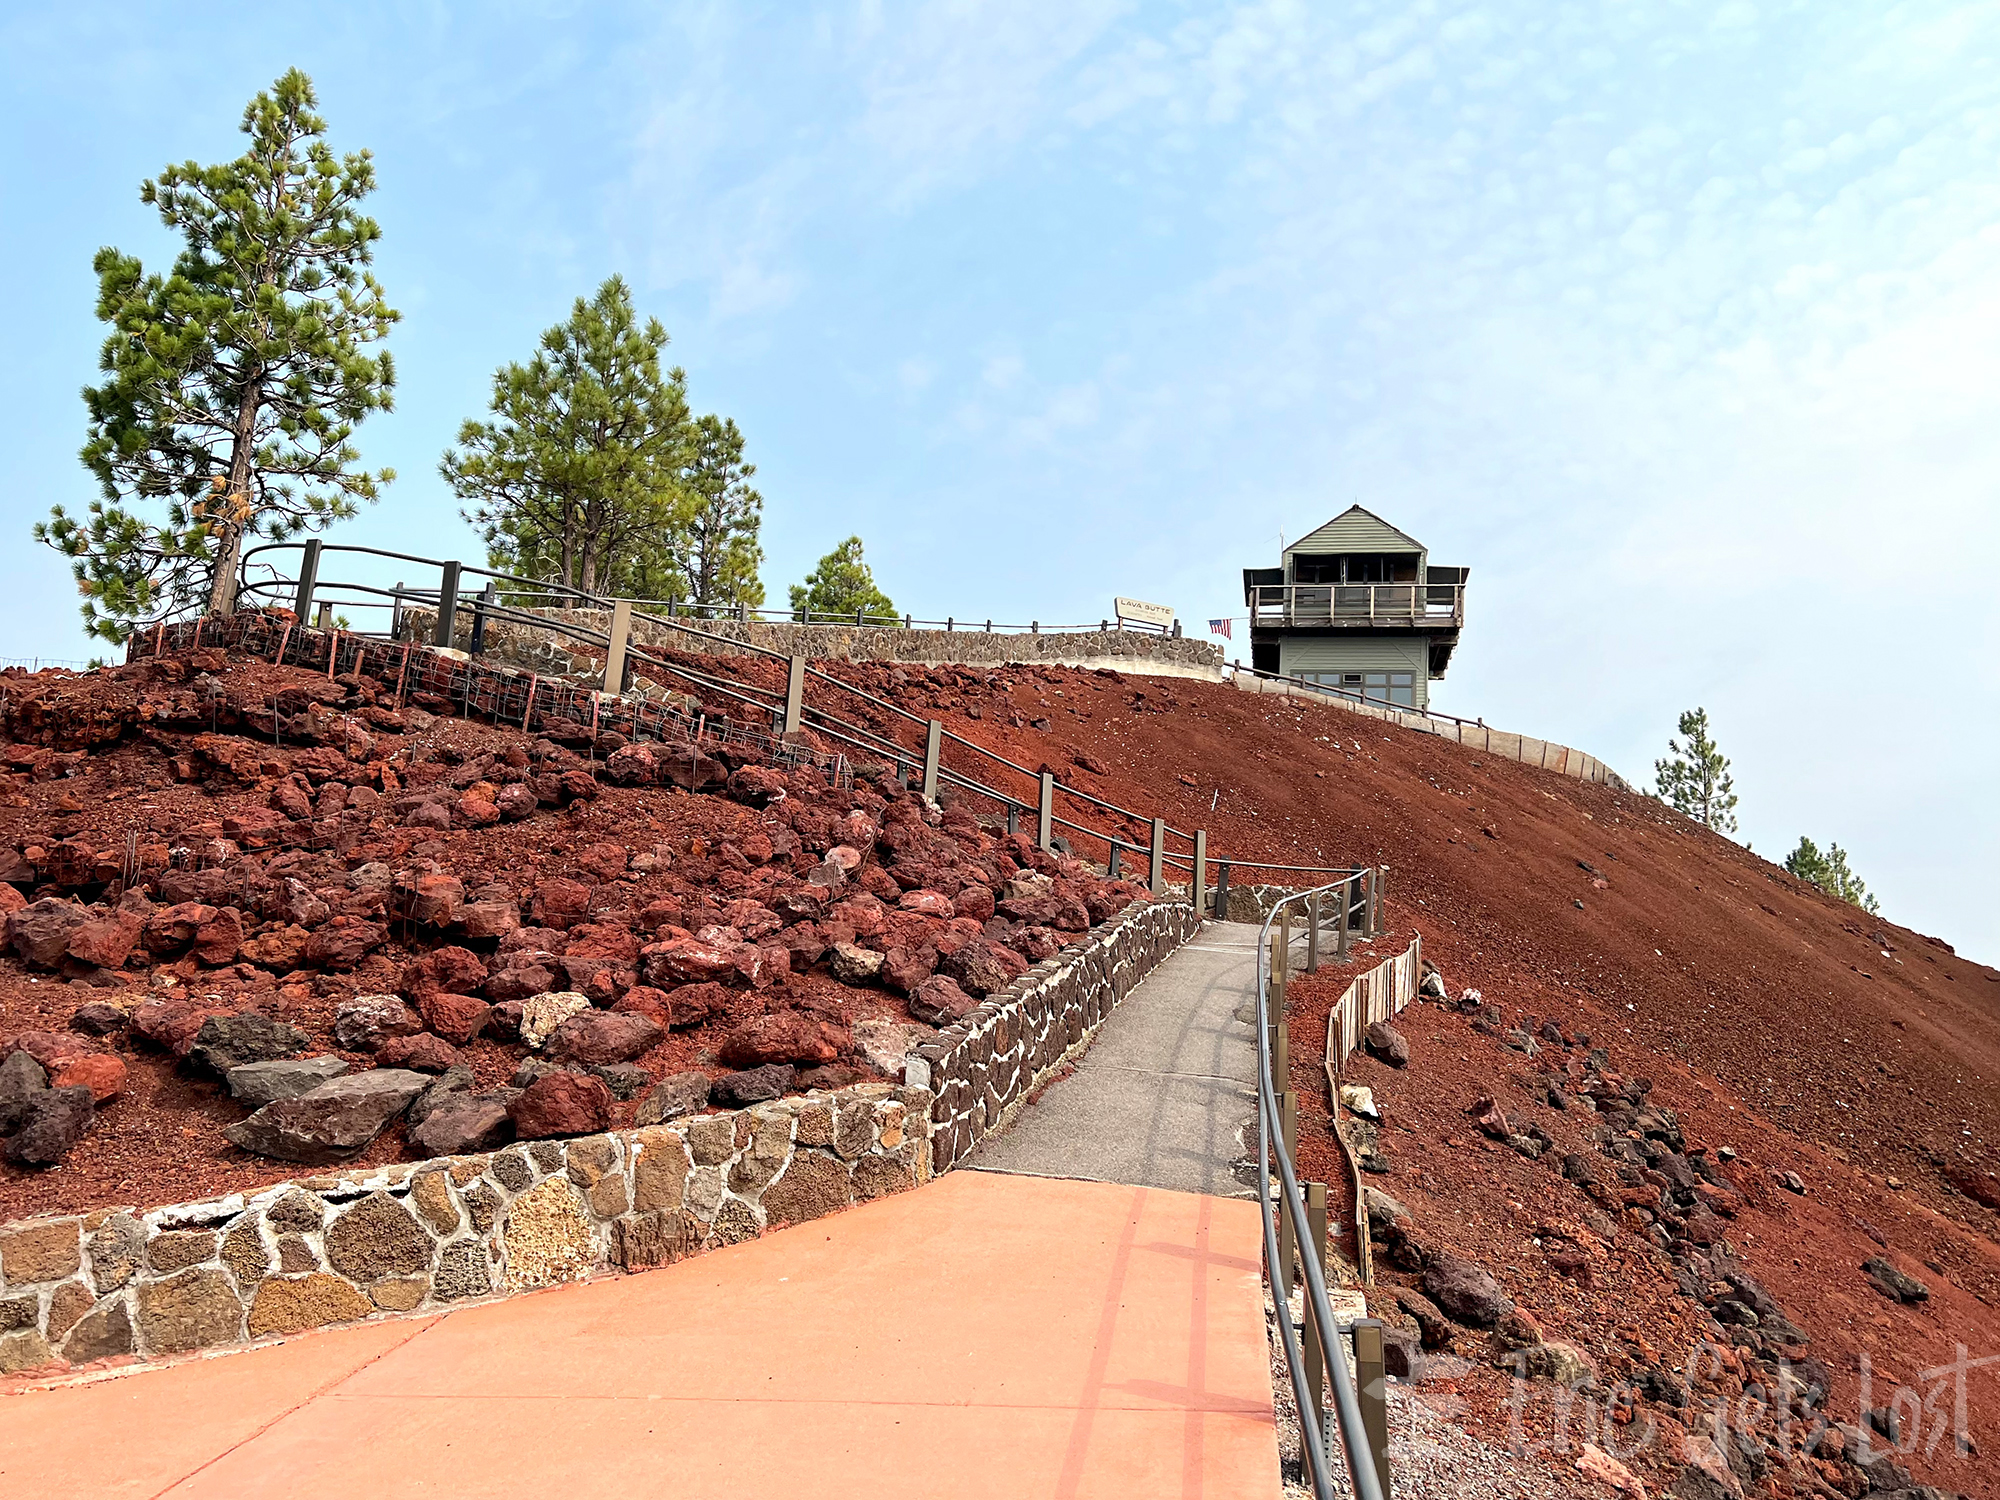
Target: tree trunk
column 233, row 509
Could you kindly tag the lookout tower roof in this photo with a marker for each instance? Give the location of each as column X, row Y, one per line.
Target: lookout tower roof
column 1356, row 530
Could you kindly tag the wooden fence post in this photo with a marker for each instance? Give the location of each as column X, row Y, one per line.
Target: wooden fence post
column 1317, row 1338
column 933, row 745
column 1288, row 1120
column 795, row 694
column 1372, row 1381
column 614, row 653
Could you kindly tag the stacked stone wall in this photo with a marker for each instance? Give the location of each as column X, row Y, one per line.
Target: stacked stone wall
column 1137, row 651
column 433, row 1234
column 983, row 1068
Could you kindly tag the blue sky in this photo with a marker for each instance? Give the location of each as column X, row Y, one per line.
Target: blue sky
column 1679, row 324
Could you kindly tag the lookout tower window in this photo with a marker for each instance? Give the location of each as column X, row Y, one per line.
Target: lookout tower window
column 1354, row 567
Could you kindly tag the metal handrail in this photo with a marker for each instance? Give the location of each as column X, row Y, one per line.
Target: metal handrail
column 1328, row 691
column 1291, row 1205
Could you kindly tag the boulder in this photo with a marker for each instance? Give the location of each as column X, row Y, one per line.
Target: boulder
column 1385, row 1043
column 625, row 1080
column 106, row 942
column 365, row 1022
column 644, row 1000
column 787, row 1036
column 464, row 1124
column 423, row 1053
column 226, row 1042
column 259, row 1083
column 884, row 1044
column 103, row 1073
column 753, row 1085
column 559, row 1104
column 21, row 1079
column 904, row 968
column 1489, row 1119
column 697, row 1004
column 854, row 965
column 939, row 1001
column 681, row 958
column 1466, row 1292
column 344, row 942
column 435, row 899
column 542, row 1014
column 456, row 1018
column 1891, row 1282
column 39, row 932
column 560, row 904
column 331, row 1122
column 53, row 1121
column 983, row 967
column 168, row 930
column 99, row 1019
column 603, row 1037
column 514, row 802
column 672, row 1097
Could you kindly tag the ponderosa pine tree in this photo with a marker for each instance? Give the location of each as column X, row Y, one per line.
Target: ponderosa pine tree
column 1695, row 779
column 720, row 553
column 578, row 479
column 233, row 383
column 1831, row 873
column 841, row 585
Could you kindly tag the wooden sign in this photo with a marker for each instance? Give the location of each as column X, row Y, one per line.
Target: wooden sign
column 1139, row 612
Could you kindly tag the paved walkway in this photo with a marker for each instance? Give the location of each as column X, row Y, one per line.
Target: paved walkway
column 984, row 1336
column 1165, row 1092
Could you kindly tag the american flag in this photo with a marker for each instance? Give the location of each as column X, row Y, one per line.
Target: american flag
column 1221, row 628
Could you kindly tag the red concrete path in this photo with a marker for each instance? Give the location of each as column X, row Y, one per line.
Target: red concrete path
column 983, row 1336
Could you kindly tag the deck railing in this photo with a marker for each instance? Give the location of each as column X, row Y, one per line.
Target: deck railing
column 1357, row 604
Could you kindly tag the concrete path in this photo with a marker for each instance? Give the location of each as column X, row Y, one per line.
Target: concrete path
column 1163, row 1095
column 983, row 1336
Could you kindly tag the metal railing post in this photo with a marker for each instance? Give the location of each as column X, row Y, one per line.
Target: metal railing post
column 484, row 597
column 1222, row 890
column 1156, row 866
column 1111, row 861
column 447, row 603
column 1013, row 817
column 1316, row 1337
column 1370, row 916
column 1340, row 937
column 396, row 610
column 933, row 744
column 614, row 653
column 1288, row 1128
column 325, row 620
column 1198, row 878
column 795, row 693
column 1045, row 815
column 1312, row 933
column 1381, row 899
column 308, row 576
column 1372, row 1381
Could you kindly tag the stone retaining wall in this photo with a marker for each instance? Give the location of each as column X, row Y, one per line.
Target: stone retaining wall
column 1529, row 751
column 1136, row 651
column 983, row 1068
column 426, row 1235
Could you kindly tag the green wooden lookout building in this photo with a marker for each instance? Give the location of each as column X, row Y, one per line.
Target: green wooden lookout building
column 1359, row 607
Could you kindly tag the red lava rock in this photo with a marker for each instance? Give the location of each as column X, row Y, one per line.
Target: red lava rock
column 344, row 942
column 604, row 861
column 170, row 929
column 787, row 1036
column 598, row 1038
column 982, row 967
column 560, row 903
column 106, row 941
column 367, row 1021
column 476, row 812
column 561, row 1103
column 515, row 802
column 218, row 939
column 1488, row 1117
column 939, row 1001
column 103, row 1073
column 436, row 900
column 457, row 971
column 456, row 1018
column 904, row 969
column 682, row 958
column 927, row 903
column 975, row 901
column 428, row 815
column 170, row 1025
column 39, row 933
column 693, row 1005
column 524, row 977
column 644, row 1000
column 422, row 1053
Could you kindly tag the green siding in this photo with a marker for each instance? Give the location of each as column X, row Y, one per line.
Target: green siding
column 1359, row 653
column 1356, row 530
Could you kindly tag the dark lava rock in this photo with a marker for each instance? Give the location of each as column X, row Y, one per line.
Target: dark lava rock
column 226, row 1042
column 463, row 1124
column 1894, row 1283
column 332, row 1122
column 752, row 1085
column 56, row 1120
column 603, row 1037
column 99, row 1019
column 681, row 1094
column 21, row 1079
column 1467, row 1292
column 261, row 1083
column 1386, row 1043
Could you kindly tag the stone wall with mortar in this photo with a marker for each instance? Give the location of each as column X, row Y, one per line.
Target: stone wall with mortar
column 982, row 1069
column 1529, row 751
column 427, row 1235
column 1136, row 651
